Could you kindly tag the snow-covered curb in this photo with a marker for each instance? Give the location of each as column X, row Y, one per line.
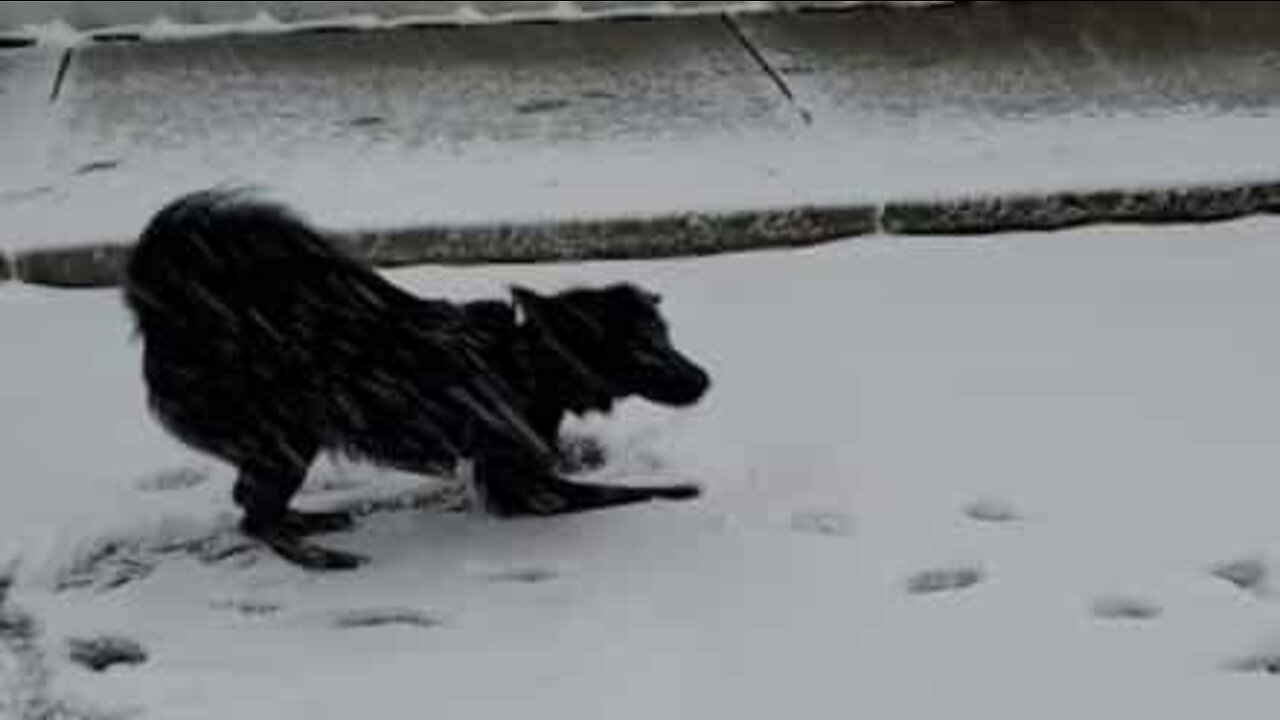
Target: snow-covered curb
column 676, row 235
column 68, row 24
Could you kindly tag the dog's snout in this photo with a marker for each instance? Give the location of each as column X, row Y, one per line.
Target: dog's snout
column 680, row 383
column 699, row 383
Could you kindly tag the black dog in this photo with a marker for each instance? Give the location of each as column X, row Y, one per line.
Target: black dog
column 265, row 345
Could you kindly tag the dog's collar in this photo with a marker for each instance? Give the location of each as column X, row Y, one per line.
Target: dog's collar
column 597, row 392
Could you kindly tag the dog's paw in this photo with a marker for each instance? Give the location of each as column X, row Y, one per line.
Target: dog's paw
column 290, row 547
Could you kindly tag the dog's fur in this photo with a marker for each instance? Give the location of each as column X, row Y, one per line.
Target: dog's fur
column 266, row 344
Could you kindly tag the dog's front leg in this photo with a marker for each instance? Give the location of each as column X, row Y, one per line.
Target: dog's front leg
column 514, row 488
column 583, row 497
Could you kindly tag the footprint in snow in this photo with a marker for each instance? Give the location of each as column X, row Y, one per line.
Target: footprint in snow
column 386, row 617
column 945, row 580
column 829, row 524
column 1266, row 663
column 530, row 575
column 1125, row 608
column 543, row 105
column 109, row 563
column 248, row 608
column 1250, row 575
column 100, row 654
column 174, row 480
column 990, row 510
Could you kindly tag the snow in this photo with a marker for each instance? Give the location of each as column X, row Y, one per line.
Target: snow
column 55, row 22
column 395, row 187
column 1028, row 476
column 515, row 125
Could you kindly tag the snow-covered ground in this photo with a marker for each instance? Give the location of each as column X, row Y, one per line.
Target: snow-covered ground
column 973, row 478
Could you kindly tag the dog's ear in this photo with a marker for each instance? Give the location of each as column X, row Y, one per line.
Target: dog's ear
column 647, row 297
column 528, row 303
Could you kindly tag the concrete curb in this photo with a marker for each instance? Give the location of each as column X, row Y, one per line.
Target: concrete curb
column 83, row 266
column 690, row 234
column 698, row 234
column 666, row 236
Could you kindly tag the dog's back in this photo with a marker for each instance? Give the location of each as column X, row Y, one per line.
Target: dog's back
column 218, row 264
column 261, row 333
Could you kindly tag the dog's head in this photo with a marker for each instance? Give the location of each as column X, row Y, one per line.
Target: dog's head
column 615, row 338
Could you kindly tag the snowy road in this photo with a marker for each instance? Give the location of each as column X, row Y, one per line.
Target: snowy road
column 973, row 478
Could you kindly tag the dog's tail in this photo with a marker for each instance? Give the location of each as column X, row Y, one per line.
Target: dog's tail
column 215, row 244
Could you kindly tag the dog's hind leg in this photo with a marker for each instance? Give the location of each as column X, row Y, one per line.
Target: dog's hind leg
column 263, row 490
column 507, row 494
column 305, row 523
column 308, row 556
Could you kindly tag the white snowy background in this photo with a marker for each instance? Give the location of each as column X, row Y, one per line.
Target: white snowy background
column 1024, row 476
column 998, row 478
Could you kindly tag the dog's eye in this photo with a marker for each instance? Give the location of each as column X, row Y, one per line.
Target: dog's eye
column 651, row 332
